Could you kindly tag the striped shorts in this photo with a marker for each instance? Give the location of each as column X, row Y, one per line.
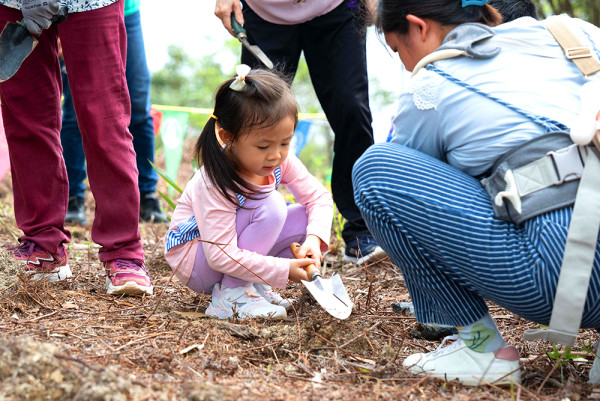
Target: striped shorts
column 438, row 226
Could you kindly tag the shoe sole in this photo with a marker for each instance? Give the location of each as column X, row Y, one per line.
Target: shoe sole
column 271, row 316
column 374, row 257
column 467, row 379
column 63, row 273
column 129, row 288
column 244, row 316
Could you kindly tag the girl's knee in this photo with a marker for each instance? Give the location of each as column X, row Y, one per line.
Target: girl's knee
column 272, row 209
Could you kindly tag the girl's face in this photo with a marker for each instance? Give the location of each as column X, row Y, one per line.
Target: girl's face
column 261, row 150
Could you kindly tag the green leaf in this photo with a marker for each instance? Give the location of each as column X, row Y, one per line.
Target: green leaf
column 167, row 199
column 166, row 178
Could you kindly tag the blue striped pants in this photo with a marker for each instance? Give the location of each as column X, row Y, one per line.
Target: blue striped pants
column 438, row 226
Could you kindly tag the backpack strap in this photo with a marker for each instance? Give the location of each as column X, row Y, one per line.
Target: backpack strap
column 574, row 50
column 578, row 260
column 582, row 238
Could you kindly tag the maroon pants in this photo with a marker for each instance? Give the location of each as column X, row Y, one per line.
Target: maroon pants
column 94, row 49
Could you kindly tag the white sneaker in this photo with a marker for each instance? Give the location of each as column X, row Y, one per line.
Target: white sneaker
column 244, row 301
column 471, row 368
column 268, row 293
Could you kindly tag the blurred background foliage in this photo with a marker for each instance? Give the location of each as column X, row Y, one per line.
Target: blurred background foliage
column 588, row 10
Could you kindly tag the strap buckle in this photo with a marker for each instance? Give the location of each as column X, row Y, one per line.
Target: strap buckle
column 567, row 163
column 577, row 52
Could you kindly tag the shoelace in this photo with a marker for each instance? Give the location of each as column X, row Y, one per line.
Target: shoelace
column 128, row 264
column 252, row 293
column 24, row 248
column 442, row 350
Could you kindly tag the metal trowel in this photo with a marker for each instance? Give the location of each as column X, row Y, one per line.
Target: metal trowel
column 16, row 43
column 240, row 33
column 329, row 293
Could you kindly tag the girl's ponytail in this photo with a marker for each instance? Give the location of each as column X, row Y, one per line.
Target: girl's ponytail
column 220, row 169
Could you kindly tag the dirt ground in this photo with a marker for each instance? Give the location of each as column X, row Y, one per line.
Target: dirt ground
column 71, row 341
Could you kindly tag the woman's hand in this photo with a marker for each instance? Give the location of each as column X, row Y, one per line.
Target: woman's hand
column 297, row 271
column 223, row 10
column 312, row 248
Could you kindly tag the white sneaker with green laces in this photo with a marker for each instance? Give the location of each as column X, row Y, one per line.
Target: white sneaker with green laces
column 244, row 301
column 458, row 361
column 268, row 293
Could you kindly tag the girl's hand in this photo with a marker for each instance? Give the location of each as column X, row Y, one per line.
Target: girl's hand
column 312, row 248
column 297, row 271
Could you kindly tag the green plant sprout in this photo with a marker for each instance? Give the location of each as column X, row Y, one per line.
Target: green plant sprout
column 589, row 349
column 561, row 357
column 169, row 181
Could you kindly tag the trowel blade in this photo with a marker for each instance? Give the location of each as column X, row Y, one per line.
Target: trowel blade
column 331, row 295
column 257, row 52
column 16, row 43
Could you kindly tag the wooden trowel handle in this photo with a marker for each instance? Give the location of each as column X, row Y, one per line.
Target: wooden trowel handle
column 311, row 269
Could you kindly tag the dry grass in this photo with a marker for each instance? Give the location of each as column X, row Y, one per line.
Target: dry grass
column 70, row 340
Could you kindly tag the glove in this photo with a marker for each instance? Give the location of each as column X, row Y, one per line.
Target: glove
column 37, row 14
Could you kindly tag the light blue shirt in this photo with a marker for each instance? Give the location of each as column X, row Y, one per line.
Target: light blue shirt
column 469, row 131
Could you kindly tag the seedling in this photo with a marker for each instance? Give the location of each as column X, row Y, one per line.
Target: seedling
column 169, row 181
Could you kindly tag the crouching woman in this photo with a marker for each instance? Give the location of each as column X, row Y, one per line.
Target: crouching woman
column 479, row 90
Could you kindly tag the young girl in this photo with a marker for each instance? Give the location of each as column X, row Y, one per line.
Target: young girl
column 231, row 230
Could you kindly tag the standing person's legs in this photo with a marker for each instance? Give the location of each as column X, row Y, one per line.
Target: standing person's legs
column 31, row 114
column 138, row 82
column 70, row 138
column 141, row 127
column 335, row 51
column 281, row 43
column 94, row 48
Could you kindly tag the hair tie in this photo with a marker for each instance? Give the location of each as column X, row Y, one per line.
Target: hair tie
column 240, row 81
column 466, row 3
column 215, row 117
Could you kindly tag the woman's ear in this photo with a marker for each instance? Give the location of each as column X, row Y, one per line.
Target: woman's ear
column 419, row 24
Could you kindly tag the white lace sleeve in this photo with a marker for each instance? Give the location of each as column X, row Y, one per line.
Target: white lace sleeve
column 424, row 87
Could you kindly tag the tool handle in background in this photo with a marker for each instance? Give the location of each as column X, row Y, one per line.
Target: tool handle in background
column 311, row 269
column 238, row 29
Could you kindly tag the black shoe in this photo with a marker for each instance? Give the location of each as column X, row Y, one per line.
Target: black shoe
column 76, row 211
column 363, row 249
column 150, row 209
column 428, row 331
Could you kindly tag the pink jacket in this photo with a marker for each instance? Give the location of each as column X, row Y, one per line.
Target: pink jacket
column 216, row 218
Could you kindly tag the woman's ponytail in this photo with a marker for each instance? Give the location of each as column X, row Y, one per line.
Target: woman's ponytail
column 490, row 16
